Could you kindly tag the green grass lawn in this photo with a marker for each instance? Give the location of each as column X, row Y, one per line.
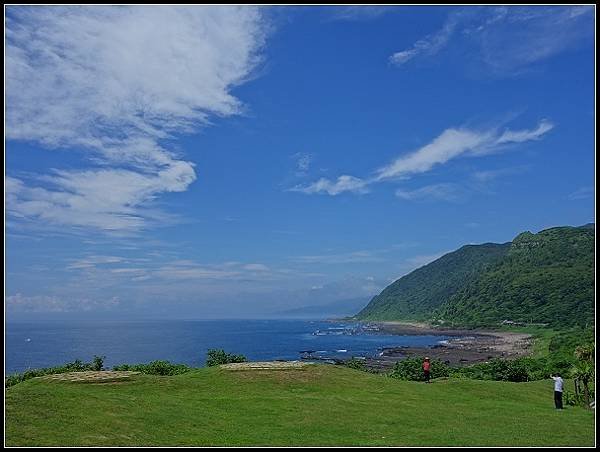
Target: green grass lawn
column 318, row 405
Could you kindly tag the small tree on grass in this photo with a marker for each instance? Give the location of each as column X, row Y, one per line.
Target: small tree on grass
column 583, row 370
column 216, row 357
column 98, row 362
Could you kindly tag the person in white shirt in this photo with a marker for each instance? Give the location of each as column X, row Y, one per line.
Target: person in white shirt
column 558, row 390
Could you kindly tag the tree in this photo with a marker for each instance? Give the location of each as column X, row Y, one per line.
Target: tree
column 583, row 370
column 585, row 352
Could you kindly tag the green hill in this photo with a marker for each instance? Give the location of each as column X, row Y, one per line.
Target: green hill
column 318, row 405
column 546, row 277
column 417, row 294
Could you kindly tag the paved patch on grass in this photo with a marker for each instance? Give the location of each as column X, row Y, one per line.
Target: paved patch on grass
column 266, row 365
column 91, row 376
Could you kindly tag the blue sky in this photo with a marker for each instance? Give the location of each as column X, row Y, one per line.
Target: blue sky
column 238, row 162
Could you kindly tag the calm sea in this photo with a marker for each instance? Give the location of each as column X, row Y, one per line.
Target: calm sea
column 35, row 345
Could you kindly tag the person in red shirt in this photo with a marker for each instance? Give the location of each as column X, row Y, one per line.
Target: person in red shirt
column 426, row 368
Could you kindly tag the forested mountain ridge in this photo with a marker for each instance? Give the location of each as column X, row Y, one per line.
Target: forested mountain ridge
column 415, row 295
column 546, row 277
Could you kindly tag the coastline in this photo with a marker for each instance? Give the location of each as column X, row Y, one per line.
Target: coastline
column 465, row 347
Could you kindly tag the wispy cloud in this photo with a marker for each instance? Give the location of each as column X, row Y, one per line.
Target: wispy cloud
column 488, row 176
column 428, row 46
column 450, row 144
column 45, row 303
column 520, row 136
column 303, row 161
column 341, row 185
column 107, row 268
column 362, row 256
column 360, row 12
column 506, row 39
column 582, row 193
column 114, row 82
column 93, row 261
column 447, row 146
column 444, row 192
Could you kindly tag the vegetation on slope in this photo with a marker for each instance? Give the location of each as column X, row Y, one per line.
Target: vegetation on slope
column 545, row 278
column 417, row 294
column 538, row 278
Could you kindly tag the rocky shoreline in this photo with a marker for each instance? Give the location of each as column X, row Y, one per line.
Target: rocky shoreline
column 465, row 347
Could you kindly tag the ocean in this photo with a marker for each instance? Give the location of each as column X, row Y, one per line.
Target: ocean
column 36, row 345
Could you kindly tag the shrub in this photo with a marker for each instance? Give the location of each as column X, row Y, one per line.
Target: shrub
column 216, row 357
column 98, row 362
column 520, row 369
column 498, row 369
column 412, row 369
column 156, row 368
column 75, row 366
column 355, row 363
column 570, row 398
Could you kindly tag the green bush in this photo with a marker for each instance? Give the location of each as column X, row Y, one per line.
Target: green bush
column 520, row 369
column 503, row 370
column 75, row 366
column 569, row 398
column 412, row 369
column 215, row 357
column 98, row 362
column 355, row 363
column 156, row 368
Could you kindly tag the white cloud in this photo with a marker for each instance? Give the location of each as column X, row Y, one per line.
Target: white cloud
column 303, row 162
column 92, row 261
column 341, row 258
column 106, row 268
column 450, row 144
column 526, row 36
column 113, row 82
column 582, row 193
column 256, row 267
column 520, row 136
column 196, row 272
column 429, row 45
column 506, row 40
column 360, row 12
column 487, row 176
column 45, row 303
column 112, row 200
column 444, row 192
column 343, row 184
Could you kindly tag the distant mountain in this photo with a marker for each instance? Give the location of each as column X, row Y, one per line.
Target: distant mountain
column 546, row 277
column 340, row 308
column 417, row 294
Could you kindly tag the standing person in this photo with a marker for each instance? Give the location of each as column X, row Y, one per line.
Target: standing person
column 426, row 369
column 558, row 390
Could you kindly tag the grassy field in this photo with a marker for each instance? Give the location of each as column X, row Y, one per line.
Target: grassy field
column 318, row 405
